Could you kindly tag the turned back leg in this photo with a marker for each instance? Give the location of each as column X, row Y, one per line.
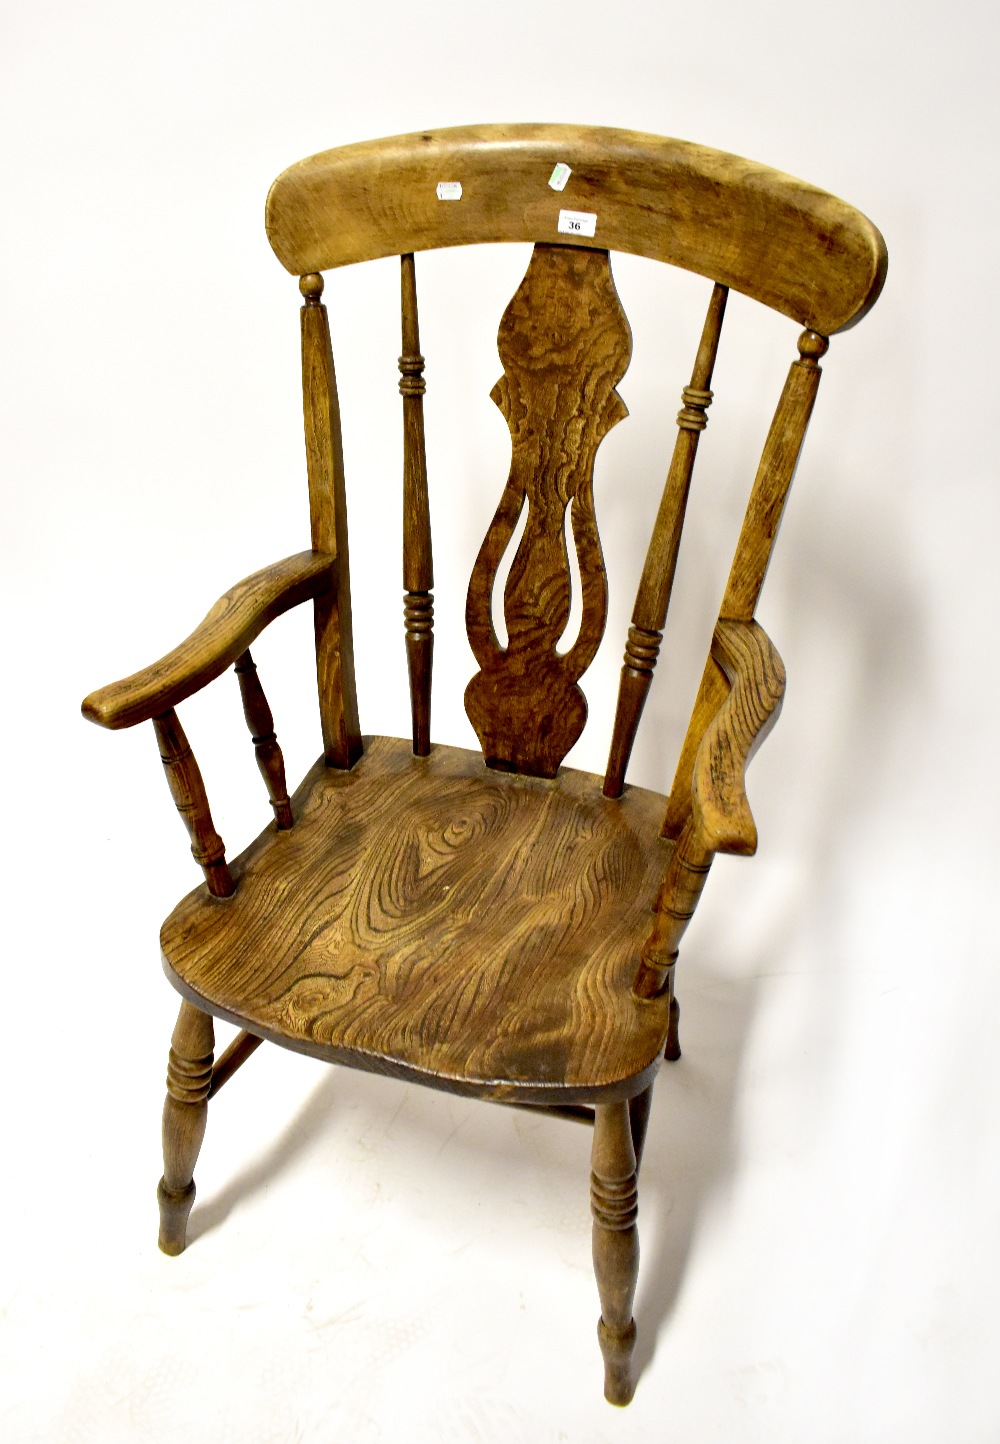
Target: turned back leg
column 185, row 1113
column 614, row 1201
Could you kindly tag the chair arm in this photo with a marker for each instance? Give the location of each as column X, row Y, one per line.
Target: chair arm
column 756, row 678
column 232, row 624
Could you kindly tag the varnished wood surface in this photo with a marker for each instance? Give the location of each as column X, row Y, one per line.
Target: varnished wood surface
column 614, row 1204
column 738, row 702
column 333, row 617
column 432, row 919
column 418, row 564
column 503, row 936
column 712, row 693
column 565, row 343
column 682, row 885
column 754, row 549
column 754, row 229
column 745, row 683
column 773, row 481
column 265, row 744
column 756, row 679
column 657, row 580
column 185, row 1116
column 236, row 619
column 188, row 791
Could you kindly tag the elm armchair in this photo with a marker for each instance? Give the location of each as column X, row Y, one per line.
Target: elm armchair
column 492, row 922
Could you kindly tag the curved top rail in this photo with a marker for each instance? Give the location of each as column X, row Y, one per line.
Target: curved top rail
column 786, row 244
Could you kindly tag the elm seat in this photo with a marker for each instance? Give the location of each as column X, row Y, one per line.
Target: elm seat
column 493, row 923
column 431, row 918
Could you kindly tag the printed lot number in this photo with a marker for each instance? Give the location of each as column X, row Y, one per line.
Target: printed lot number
column 577, row 223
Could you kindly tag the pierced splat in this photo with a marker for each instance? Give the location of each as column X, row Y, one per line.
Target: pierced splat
column 565, row 344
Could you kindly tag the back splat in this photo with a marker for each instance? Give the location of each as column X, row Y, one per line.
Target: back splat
column 565, row 344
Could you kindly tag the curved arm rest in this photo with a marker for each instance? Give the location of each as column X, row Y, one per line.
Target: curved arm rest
column 756, row 679
column 232, row 624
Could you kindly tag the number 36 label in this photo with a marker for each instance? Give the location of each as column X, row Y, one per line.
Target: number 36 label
column 577, row 223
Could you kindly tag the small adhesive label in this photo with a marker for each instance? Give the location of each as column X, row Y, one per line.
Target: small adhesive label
column 559, row 176
column 577, row 223
column 449, row 190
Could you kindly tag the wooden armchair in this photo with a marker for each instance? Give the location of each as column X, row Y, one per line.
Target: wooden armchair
column 495, row 924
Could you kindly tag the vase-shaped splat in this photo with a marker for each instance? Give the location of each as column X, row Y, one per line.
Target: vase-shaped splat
column 565, row 343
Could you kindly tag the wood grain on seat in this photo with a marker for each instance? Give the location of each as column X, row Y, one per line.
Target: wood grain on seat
column 430, row 918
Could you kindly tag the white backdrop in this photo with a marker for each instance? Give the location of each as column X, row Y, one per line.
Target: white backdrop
column 370, row 1261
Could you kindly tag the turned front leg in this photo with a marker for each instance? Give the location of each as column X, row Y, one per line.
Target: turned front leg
column 614, row 1202
column 185, row 1113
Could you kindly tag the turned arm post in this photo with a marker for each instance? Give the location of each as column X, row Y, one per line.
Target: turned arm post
column 188, row 791
column 653, row 597
column 676, row 901
column 418, row 567
column 152, row 694
column 265, row 743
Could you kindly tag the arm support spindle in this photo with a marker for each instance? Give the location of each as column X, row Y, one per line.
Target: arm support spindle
column 188, row 792
column 265, row 743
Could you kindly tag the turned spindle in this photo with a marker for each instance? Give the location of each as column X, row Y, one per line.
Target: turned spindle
column 338, row 702
column 653, row 596
column 753, row 551
column 418, row 567
column 676, row 901
column 185, row 1114
column 265, row 743
column 614, row 1204
column 188, row 791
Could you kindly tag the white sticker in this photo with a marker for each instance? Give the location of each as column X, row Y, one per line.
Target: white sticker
column 449, row 190
column 559, row 176
column 577, row 223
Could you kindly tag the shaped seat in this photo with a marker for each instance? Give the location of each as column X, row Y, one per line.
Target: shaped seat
column 492, row 922
column 433, row 919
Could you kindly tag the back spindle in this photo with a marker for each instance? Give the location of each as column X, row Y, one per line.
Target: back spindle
column 653, row 596
column 418, row 570
column 338, row 701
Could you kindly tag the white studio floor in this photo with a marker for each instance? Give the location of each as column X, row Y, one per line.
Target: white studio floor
column 372, row 1262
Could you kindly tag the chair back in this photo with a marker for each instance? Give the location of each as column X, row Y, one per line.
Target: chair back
column 576, row 193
